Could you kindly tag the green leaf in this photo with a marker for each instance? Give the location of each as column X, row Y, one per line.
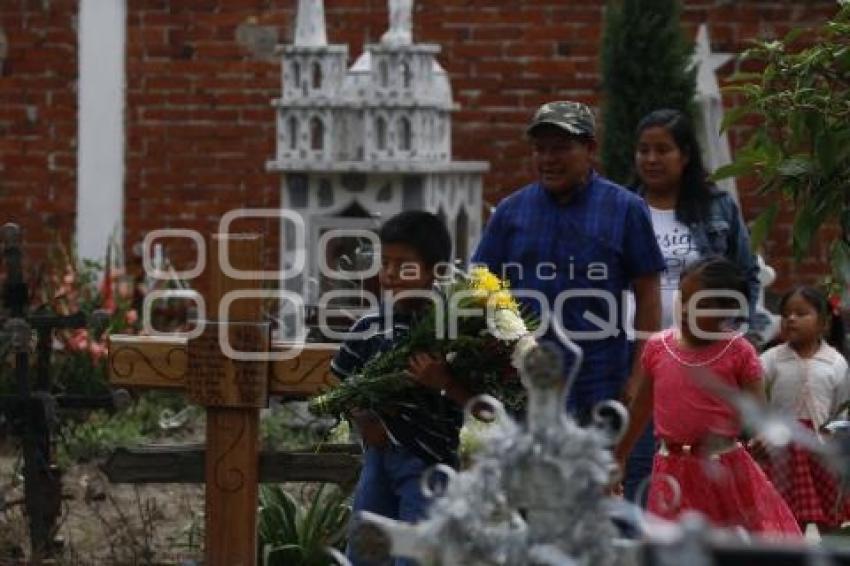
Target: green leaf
column 797, row 128
column 733, row 116
column 735, row 169
column 291, row 533
column 284, row 555
column 741, row 77
column 806, row 223
column 840, row 259
column 842, row 58
column 762, row 225
column 793, row 35
column 796, row 166
column 312, row 524
column 826, row 151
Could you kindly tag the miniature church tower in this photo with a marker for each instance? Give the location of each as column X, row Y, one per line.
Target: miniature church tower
column 355, row 146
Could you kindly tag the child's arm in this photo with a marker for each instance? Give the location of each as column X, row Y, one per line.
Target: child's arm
column 757, row 446
column 640, row 409
column 371, row 428
column 647, row 320
column 755, row 389
column 432, row 372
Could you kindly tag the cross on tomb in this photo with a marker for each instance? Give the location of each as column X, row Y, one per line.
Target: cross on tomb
column 232, row 390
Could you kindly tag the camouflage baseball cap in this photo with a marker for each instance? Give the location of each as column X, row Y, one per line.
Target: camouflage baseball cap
column 574, row 118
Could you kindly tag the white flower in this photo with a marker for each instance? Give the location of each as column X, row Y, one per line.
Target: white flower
column 450, row 356
column 507, row 325
column 523, row 346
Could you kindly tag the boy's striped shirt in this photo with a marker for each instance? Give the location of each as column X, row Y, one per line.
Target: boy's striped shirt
column 430, row 429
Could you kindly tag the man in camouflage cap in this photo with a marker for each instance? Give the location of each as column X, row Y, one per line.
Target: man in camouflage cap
column 574, row 231
column 573, row 117
column 563, row 139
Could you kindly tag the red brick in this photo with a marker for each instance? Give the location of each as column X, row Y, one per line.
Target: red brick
column 198, row 110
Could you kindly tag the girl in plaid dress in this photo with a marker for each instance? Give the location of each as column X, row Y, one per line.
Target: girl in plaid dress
column 808, row 377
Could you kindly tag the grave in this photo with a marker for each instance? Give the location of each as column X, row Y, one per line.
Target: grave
column 232, row 389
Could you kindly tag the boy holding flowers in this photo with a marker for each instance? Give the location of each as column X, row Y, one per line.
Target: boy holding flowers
column 401, row 443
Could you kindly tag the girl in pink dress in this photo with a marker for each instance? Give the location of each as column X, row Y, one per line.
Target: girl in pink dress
column 807, row 377
column 700, row 464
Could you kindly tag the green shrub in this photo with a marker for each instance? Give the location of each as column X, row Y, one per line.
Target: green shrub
column 646, row 65
column 800, row 149
column 100, row 433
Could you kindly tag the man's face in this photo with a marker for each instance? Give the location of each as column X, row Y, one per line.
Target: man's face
column 561, row 161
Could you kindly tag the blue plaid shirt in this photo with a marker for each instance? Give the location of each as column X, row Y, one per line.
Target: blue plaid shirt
column 601, row 239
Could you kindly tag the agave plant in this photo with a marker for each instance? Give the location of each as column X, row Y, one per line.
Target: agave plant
column 296, row 534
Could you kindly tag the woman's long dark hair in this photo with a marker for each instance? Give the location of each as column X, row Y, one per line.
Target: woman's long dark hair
column 695, row 192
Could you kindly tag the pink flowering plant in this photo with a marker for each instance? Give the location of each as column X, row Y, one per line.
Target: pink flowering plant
column 110, row 296
column 71, row 286
column 66, row 286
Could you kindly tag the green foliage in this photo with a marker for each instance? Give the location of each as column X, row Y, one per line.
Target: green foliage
column 68, row 286
column 292, row 534
column 646, row 65
column 285, row 429
column 800, row 150
column 100, row 433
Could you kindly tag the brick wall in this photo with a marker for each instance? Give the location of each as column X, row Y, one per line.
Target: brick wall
column 200, row 126
column 38, row 120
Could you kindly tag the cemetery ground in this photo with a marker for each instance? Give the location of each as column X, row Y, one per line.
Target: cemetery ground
column 104, row 523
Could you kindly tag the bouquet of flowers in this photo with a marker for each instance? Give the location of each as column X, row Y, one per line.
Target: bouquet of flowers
column 482, row 351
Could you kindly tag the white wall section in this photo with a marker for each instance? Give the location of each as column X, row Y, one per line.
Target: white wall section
column 100, row 154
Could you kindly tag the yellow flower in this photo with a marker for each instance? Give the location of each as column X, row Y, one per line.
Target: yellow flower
column 503, row 300
column 483, row 280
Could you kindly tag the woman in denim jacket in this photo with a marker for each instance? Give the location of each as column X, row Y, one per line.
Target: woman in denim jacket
column 675, row 185
column 692, row 219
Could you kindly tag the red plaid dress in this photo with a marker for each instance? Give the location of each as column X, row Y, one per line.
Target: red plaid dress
column 812, row 491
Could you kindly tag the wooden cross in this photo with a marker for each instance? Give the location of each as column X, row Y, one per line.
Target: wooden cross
column 232, row 392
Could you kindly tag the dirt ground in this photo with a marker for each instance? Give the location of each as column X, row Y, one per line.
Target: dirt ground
column 105, row 524
column 120, row 524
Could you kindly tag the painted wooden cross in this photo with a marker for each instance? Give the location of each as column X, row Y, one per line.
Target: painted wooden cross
column 232, row 390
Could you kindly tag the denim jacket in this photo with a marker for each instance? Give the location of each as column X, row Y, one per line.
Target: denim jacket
column 724, row 233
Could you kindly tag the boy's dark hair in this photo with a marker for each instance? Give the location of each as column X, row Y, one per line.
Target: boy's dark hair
column 716, row 273
column 422, row 231
column 695, row 193
column 836, row 332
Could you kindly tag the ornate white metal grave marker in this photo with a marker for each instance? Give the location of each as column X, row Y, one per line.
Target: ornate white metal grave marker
column 535, row 494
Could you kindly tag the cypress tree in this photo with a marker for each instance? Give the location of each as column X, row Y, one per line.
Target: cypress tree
column 646, row 65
